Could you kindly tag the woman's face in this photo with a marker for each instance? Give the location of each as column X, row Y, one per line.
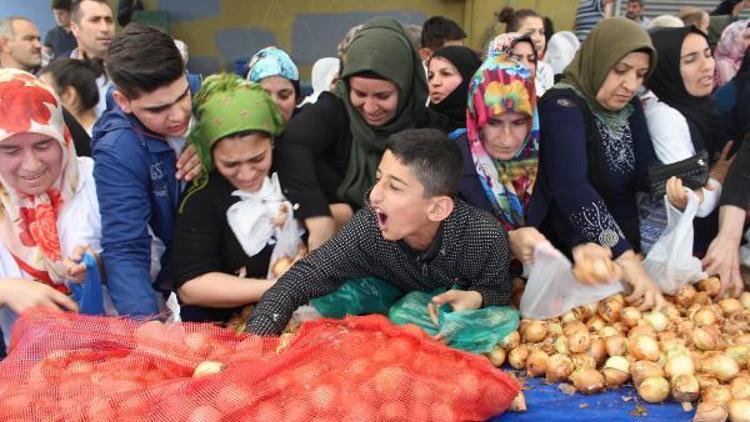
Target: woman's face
column 623, row 81
column 443, row 78
column 524, row 53
column 504, row 135
column 30, row 162
column 697, row 66
column 533, row 26
column 244, row 160
column 282, row 92
column 376, row 100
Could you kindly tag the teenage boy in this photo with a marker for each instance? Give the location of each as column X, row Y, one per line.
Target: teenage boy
column 135, row 148
column 413, row 232
column 438, row 32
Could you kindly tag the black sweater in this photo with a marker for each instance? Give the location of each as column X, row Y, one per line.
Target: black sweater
column 470, row 251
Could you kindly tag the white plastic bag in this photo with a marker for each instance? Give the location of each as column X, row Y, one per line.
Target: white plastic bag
column 289, row 244
column 552, row 290
column 670, row 262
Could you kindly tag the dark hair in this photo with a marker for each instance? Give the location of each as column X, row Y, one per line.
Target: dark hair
column 61, row 5
column 439, row 29
column 77, row 74
column 75, row 9
column 435, row 159
column 640, row 2
column 512, row 18
column 142, row 59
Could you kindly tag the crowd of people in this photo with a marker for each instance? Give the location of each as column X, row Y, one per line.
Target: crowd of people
column 416, row 160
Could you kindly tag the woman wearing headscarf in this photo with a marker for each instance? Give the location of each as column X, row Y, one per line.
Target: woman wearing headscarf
column 730, row 50
column 324, row 73
column 449, row 71
column 683, row 121
column 327, row 156
column 733, row 102
column 521, row 48
column 595, row 151
column 561, row 49
column 224, row 233
column 48, row 208
column 275, row 71
column 500, row 151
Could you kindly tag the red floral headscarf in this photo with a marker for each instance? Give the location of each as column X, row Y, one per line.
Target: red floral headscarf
column 28, row 223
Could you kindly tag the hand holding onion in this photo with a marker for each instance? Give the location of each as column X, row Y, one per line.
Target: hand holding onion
column 593, row 264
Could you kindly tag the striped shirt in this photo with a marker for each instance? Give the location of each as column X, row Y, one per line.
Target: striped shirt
column 588, row 14
column 470, row 251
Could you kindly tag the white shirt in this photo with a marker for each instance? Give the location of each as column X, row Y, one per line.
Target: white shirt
column 78, row 224
column 545, row 78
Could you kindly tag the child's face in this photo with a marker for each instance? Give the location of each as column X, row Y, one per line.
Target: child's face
column 399, row 203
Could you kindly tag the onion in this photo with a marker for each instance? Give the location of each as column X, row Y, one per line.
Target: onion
column 559, row 367
column 643, row 369
column 671, row 311
column 720, row 365
column 496, row 356
column 597, row 350
column 739, row 410
column 730, row 306
column 711, row 412
column 208, row 367
column 596, row 323
column 614, row 377
column 518, row 404
column 643, row 347
column 657, row 320
column 589, row 310
column 685, row 388
column 654, row 389
column 534, row 331
column 561, row 345
column 702, row 298
column 548, row 345
column 742, row 339
column 609, row 331
column 569, row 316
column 740, row 387
column 711, row 286
column 573, row 327
column 619, row 297
column 511, row 341
column 745, row 300
column 667, row 338
column 704, row 339
column 704, row 317
column 630, row 316
column 740, row 353
column 616, row 345
column 679, row 365
column 642, row 329
column 582, row 360
column 705, row 381
column 517, row 357
column 554, row 329
column 579, row 342
column 536, row 364
column 618, row 362
column 685, row 295
column 716, row 394
column 587, row 380
column 610, row 309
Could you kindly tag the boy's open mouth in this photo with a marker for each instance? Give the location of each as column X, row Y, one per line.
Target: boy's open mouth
column 382, row 218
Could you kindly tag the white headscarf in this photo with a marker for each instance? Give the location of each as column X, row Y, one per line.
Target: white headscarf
column 324, row 71
column 561, row 49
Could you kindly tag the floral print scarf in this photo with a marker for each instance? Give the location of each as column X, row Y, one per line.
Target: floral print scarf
column 502, row 85
column 28, row 223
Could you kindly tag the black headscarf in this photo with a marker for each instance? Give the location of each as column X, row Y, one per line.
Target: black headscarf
column 666, row 82
column 453, row 107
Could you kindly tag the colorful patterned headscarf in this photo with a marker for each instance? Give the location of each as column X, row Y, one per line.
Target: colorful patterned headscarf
column 729, row 51
column 502, row 85
column 28, row 223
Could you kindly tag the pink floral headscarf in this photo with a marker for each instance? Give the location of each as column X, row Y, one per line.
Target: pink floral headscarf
column 28, row 223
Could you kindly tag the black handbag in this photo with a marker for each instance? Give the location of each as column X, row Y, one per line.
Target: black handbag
column 693, row 172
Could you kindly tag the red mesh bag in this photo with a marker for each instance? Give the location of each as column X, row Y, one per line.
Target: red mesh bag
column 81, row 368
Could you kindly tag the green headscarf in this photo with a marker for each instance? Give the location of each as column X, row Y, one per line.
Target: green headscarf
column 608, row 42
column 382, row 47
column 225, row 105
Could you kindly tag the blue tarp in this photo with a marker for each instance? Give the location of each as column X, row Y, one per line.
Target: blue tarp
column 546, row 402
